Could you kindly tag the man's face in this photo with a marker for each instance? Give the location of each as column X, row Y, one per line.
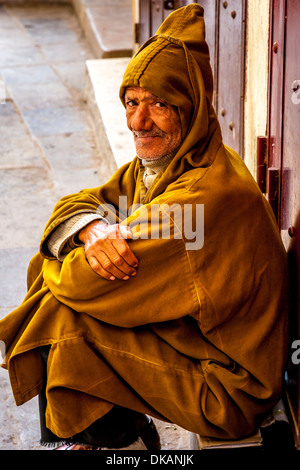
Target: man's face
column 154, row 123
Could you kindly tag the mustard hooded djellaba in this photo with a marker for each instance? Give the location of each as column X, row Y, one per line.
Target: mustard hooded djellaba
column 199, row 336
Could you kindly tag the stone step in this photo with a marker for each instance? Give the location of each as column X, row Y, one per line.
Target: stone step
column 115, row 142
column 107, row 25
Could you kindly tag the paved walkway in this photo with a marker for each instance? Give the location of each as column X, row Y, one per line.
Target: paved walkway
column 47, row 149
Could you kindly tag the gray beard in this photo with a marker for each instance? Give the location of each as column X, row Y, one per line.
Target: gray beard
column 160, row 161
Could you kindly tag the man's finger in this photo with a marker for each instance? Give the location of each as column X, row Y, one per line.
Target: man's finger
column 113, row 265
column 113, row 249
column 96, row 266
column 123, row 249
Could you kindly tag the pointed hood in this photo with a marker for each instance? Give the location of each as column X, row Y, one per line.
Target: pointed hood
column 175, row 66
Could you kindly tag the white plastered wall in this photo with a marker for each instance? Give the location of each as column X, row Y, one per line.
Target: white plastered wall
column 256, row 77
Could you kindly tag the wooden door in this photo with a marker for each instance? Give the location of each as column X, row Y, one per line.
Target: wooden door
column 283, row 168
column 151, row 14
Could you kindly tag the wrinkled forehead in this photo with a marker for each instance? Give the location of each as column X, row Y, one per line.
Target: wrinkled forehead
column 142, row 94
column 137, row 90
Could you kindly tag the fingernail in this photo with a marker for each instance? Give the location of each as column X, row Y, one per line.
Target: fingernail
column 125, row 278
column 133, row 274
column 112, row 278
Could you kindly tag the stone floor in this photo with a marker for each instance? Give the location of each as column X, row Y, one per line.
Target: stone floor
column 47, row 149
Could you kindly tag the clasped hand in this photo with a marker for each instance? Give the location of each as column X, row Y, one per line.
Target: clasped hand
column 107, row 250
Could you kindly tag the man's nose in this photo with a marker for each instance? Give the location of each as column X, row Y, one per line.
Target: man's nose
column 141, row 120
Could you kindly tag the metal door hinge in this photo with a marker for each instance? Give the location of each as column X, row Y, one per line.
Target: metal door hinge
column 261, row 168
column 137, row 32
column 273, row 189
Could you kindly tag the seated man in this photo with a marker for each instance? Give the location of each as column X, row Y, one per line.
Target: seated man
column 139, row 303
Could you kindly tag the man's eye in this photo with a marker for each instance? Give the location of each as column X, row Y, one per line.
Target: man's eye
column 131, row 103
column 160, row 104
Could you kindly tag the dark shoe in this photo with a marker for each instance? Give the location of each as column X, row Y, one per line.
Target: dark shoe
column 149, row 434
column 120, row 428
column 145, row 429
